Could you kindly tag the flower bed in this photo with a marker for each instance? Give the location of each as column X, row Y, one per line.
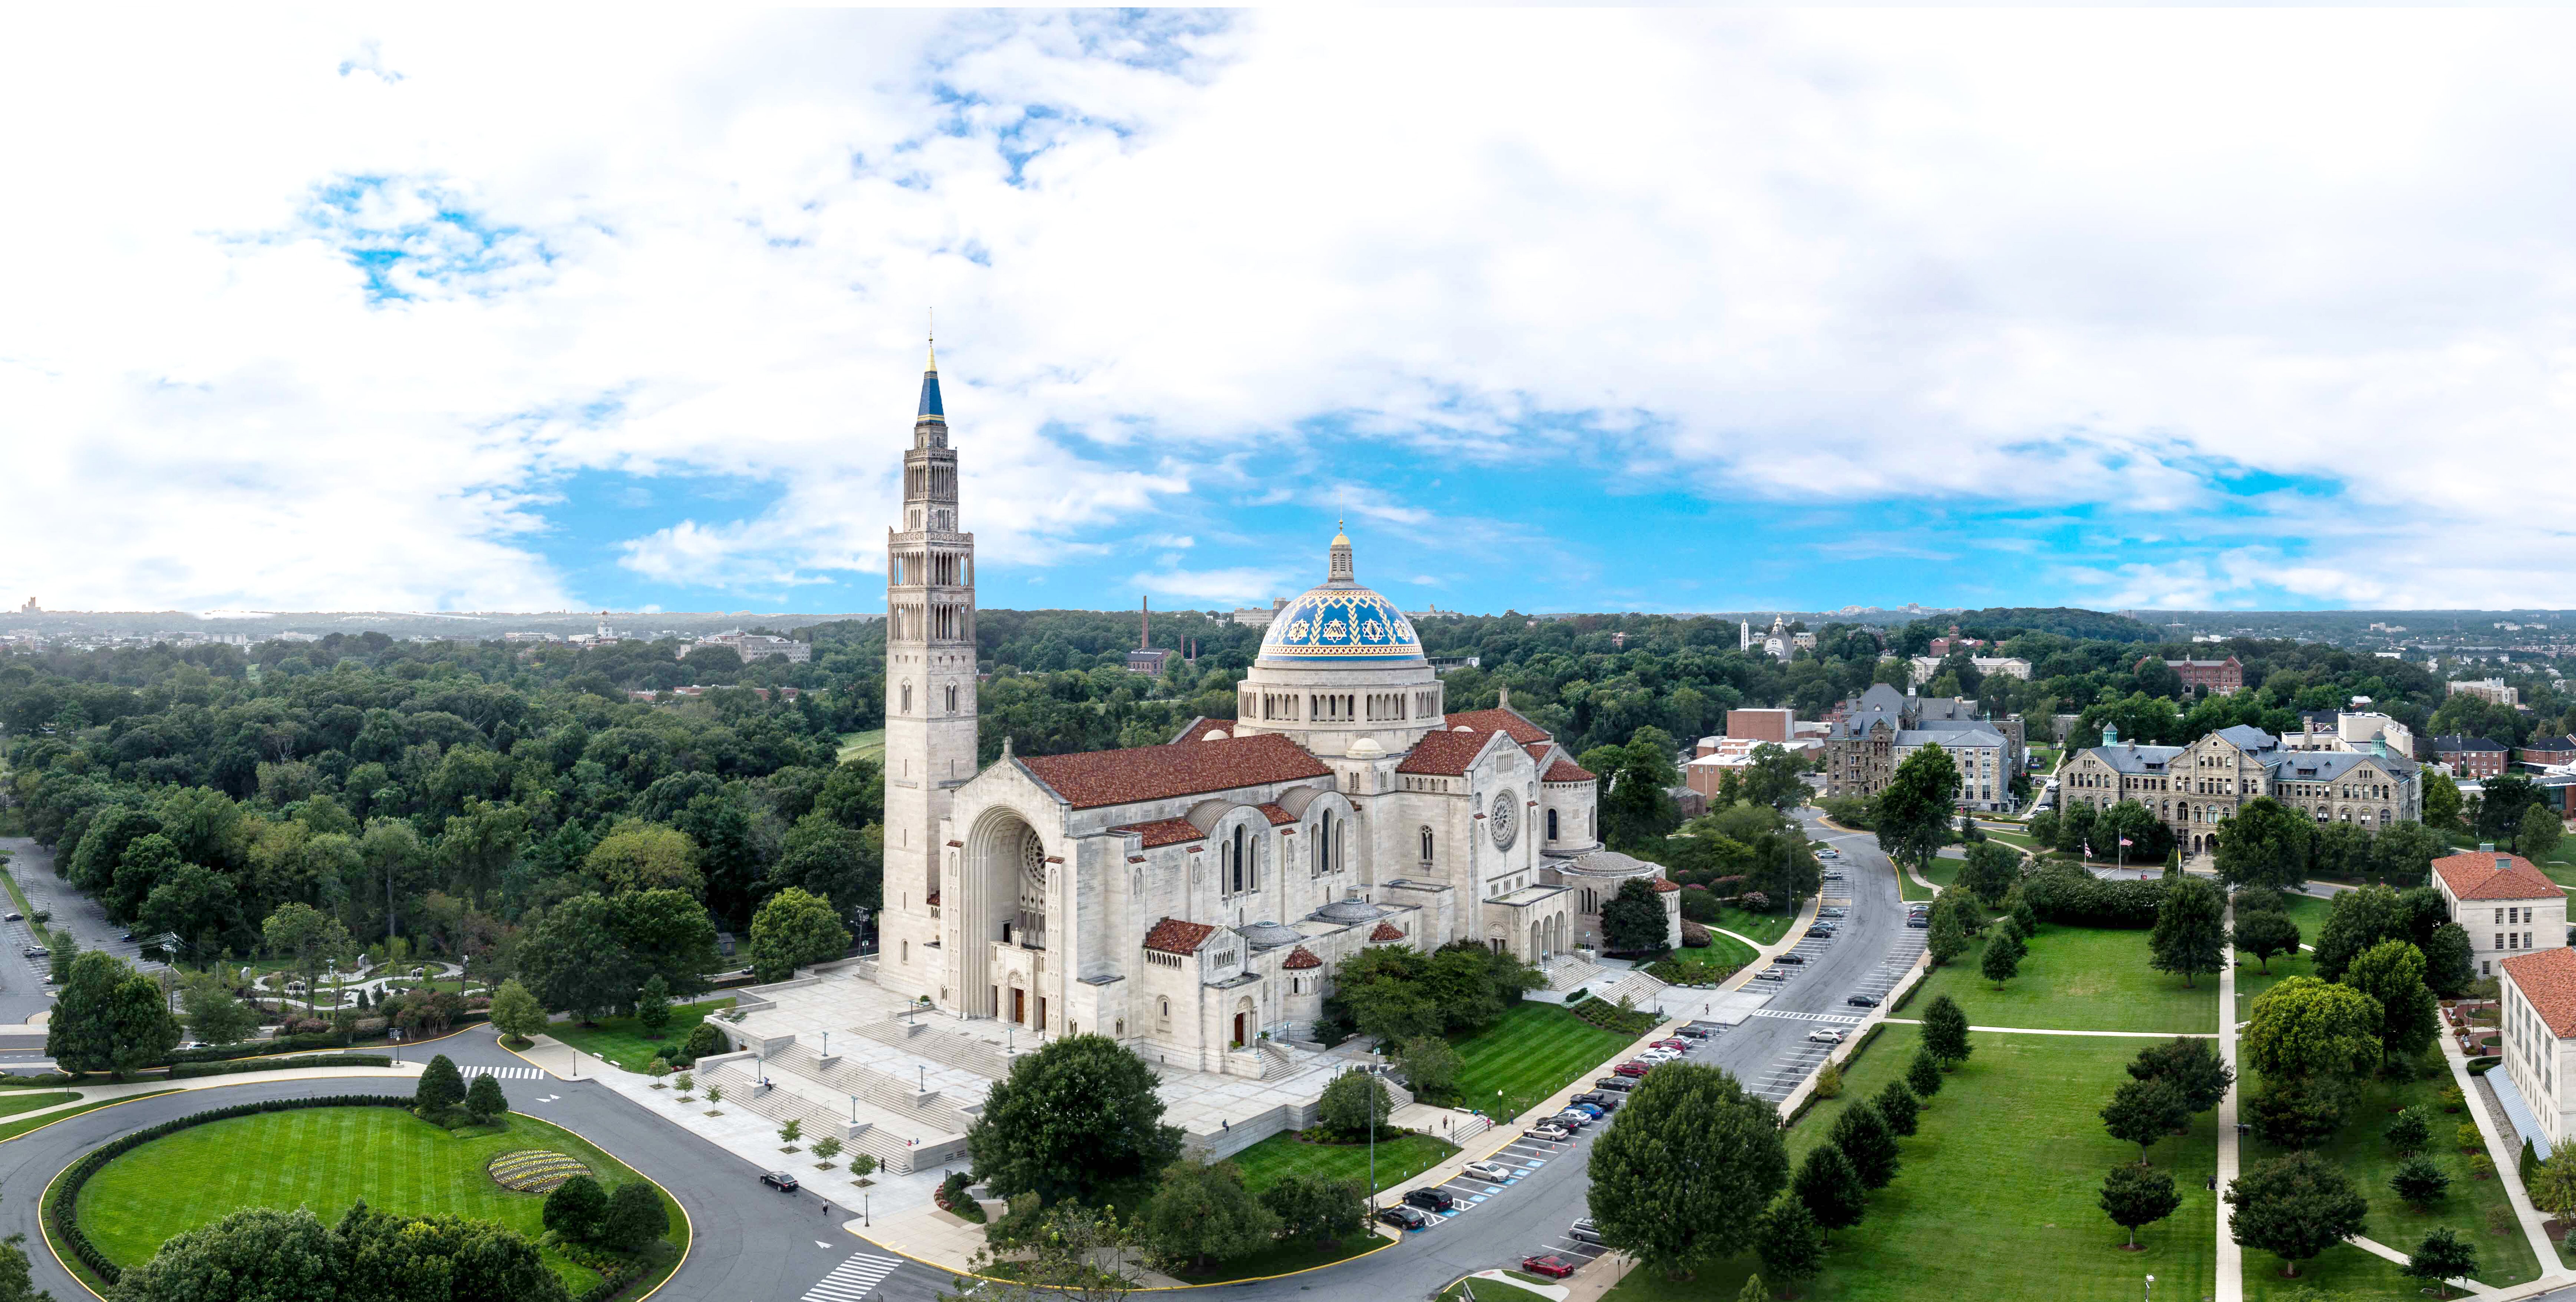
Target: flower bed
column 534, row 1170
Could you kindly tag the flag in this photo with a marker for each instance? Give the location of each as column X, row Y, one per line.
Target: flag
column 2126, row 841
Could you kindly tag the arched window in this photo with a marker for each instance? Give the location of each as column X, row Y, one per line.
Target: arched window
column 1238, row 879
column 1426, row 847
column 952, row 700
column 907, row 698
column 907, row 951
column 1551, row 825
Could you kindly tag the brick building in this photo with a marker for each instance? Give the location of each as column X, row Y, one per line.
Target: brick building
column 2217, row 677
column 2470, row 757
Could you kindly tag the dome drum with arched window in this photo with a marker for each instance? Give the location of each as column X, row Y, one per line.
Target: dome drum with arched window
column 1341, row 669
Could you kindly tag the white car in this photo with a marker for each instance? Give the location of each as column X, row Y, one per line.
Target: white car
column 1825, row 1035
column 1829, row 852
column 1493, row 1171
column 1657, row 1055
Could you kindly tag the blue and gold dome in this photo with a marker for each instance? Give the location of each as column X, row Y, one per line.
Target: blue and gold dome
column 1340, row 623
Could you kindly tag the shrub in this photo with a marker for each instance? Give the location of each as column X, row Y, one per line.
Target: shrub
column 575, row 1208
column 1829, row 1082
column 953, row 1199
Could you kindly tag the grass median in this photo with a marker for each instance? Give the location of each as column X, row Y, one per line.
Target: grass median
column 622, row 1040
column 2079, row 979
column 1398, row 1160
column 1534, row 1051
column 13, row 1129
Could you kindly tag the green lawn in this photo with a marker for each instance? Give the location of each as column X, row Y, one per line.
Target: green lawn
column 1764, row 928
column 2079, row 979
column 13, row 1129
column 621, row 1040
column 1944, row 871
column 862, row 745
column 1907, row 889
column 1534, row 1051
column 10, row 1107
column 2251, row 981
column 1285, row 1258
column 327, row 1159
column 2480, row 1210
column 1398, row 1160
column 1488, row 1290
column 1723, row 955
column 1996, row 1198
column 2017, row 840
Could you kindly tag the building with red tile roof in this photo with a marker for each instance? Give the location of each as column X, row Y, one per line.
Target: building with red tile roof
column 2506, row 905
column 2536, row 1020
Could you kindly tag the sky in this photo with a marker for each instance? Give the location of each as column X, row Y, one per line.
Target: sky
column 355, row 308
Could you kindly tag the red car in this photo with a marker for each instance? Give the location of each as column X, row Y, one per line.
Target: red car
column 1552, row 1267
column 1677, row 1046
column 1630, row 1069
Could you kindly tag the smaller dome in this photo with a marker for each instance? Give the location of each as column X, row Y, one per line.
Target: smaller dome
column 1367, row 748
column 1268, row 935
column 1350, row 910
column 1215, row 734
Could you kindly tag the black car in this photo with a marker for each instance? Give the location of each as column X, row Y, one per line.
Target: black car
column 1863, row 1001
column 1790, row 958
column 1404, row 1218
column 1601, row 1099
column 779, row 1180
column 1919, row 924
column 1692, row 1032
column 1619, row 1083
column 1430, row 1200
column 1820, row 933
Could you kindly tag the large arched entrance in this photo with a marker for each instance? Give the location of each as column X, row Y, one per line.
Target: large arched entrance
column 1007, row 882
column 1247, row 1021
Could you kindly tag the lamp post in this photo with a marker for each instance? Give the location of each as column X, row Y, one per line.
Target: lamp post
column 2151, row 1288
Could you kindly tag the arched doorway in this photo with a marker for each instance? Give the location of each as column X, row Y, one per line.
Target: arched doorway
column 1005, row 889
column 1246, row 1021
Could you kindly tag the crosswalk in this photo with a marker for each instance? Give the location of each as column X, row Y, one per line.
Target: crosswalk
column 851, row 1280
column 504, row 1073
column 1835, row 1019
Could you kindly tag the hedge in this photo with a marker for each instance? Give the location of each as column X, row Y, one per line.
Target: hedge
column 289, row 1044
column 2063, row 892
column 62, row 1207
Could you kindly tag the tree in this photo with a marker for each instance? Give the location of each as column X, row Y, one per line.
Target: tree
column 1946, row 939
column 1354, row 1103
column 1632, row 921
column 840, row 864
column 2192, row 1066
column 1431, row 1065
column 2138, row 1195
column 1076, row 1116
column 1831, row 1189
column 2002, row 961
column 1923, row 1075
column 1898, row 1104
column 2357, row 920
column 2144, row 1111
column 1201, row 1214
column 2536, row 836
column 2190, row 935
column 1914, row 810
column 441, row 1087
column 794, row 929
column 109, row 1018
column 645, row 857
column 636, row 1216
column 1790, row 1243
column 574, row 961
column 824, row 1150
column 1680, row 1164
column 484, row 1099
column 2306, row 1029
column 1317, row 1209
column 2441, row 800
column 1992, row 870
column 653, row 1006
column 212, row 1015
column 574, row 1209
column 2296, row 1114
column 2443, row 1256
column 259, row 1255
column 1753, row 1290
column 192, row 901
column 2419, row 1182
column 2392, row 973
column 515, row 1012
column 2294, row 1207
column 2263, row 934
column 2409, row 1132
column 2266, row 843
column 667, row 934
column 2448, row 967
column 402, row 1257
column 1945, row 1031
column 1863, row 1136
column 2553, row 1186
column 791, row 1132
column 307, row 936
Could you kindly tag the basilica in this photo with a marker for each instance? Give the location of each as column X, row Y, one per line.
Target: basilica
column 1192, row 899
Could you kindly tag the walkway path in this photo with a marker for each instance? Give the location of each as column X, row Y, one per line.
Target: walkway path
column 2231, row 1256
column 2377, row 1249
column 2043, row 1030
column 98, row 1093
column 2505, row 1150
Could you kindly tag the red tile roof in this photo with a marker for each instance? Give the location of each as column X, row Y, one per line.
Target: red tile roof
column 1386, row 931
column 1165, row 831
column 1446, row 754
column 1173, row 936
column 1126, row 777
column 1201, row 726
column 1568, row 771
column 2547, row 978
column 1510, row 721
column 1301, row 957
column 2475, row 876
column 1275, row 814
column 1667, row 884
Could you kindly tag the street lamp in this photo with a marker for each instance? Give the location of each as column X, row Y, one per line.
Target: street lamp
column 2151, row 1288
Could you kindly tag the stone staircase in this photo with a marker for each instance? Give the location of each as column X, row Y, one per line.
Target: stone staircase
column 1639, row 989
column 896, row 1152
column 1278, row 1061
column 1566, row 971
column 923, row 1037
column 932, row 1109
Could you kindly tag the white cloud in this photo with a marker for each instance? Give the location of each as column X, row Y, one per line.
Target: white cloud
column 2030, row 258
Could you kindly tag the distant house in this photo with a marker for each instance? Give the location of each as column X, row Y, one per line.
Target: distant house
column 754, row 646
column 2490, row 690
column 2219, row 677
column 2560, row 749
column 2470, row 757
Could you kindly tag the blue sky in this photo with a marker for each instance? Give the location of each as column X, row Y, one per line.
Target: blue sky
column 356, row 310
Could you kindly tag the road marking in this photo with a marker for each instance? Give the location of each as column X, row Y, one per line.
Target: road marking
column 505, row 1073
column 1787, row 1016
column 852, row 1279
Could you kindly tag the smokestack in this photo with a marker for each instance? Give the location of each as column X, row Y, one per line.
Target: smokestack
column 1145, row 635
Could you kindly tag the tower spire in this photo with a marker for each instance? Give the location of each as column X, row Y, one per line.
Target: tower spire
column 1339, row 572
column 930, row 422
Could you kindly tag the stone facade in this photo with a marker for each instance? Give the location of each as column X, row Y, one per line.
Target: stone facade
column 2195, row 788
column 2505, row 904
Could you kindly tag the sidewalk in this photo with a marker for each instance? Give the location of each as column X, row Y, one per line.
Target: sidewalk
column 2231, row 1255
column 2505, row 1150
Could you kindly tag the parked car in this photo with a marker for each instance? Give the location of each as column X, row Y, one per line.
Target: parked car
column 1694, row 1032
column 1602, row 1099
column 1831, row 913
column 1824, row 1035
column 1620, row 1083
column 1657, row 1055
column 1821, row 931
column 1430, row 1200
column 38, row 951
column 1833, row 877
column 16, row 917
column 1551, row 1265
column 1632, row 1068
column 1584, row 1231
column 779, row 1180
column 1551, row 1132
column 127, row 936
column 1770, row 974
column 1592, row 1110
column 1405, row 1218
column 1828, row 852
column 1919, row 923
column 1493, row 1171
column 1573, row 1119
column 1792, row 958
column 1862, row 1001
column 1677, row 1045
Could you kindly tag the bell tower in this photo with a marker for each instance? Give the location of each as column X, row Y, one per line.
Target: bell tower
column 930, row 694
